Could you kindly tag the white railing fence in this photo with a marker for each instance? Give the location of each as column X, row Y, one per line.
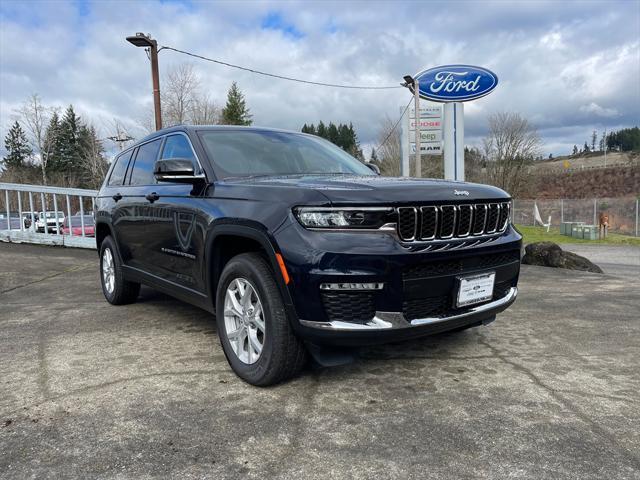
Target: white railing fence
column 47, row 215
column 623, row 212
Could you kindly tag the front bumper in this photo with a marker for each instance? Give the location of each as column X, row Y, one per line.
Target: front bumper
column 418, row 286
column 396, row 320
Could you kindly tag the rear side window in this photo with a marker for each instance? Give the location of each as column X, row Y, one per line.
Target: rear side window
column 142, row 173
column 177, row 146
column 119, row 169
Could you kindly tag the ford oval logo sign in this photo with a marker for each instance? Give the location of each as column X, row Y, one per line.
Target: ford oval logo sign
column 456, row 83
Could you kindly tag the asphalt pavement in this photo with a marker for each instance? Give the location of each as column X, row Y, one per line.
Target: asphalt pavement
column 88, row 390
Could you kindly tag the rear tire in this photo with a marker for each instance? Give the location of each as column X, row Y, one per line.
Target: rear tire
column 250, row 313
column 115, row 288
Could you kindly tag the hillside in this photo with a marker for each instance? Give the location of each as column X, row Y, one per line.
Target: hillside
column 580, row 162
column 622, row 181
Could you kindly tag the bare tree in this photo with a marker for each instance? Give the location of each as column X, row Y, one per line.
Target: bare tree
column 35, row 116
column 512, row 143
column 180, row 89
column 389, row 153
column 93, row 164
column 204, row 111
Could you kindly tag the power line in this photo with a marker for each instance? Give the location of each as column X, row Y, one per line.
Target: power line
column 395, row 126
column 282, row 77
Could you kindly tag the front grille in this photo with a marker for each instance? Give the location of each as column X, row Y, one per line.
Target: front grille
column 452, row 221
column 443, row 305
column 349, row 306
column 460, row 265
column 407, row 223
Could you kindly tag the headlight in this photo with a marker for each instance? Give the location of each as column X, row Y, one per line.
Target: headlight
column 342, row 218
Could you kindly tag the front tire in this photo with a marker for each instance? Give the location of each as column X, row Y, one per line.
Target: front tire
column 253, row 326
column 115, row 288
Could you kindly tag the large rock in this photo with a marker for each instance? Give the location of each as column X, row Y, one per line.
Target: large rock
column 549, row 254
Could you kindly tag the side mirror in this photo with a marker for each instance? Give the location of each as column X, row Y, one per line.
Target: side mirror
column 176, row 170
column 373, row 167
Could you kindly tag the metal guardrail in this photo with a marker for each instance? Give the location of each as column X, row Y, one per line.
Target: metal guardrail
column 50, row 210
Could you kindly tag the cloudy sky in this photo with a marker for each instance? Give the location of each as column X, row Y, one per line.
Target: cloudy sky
column 570, row 67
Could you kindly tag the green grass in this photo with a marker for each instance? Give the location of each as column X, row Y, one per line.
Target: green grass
column 539, row 234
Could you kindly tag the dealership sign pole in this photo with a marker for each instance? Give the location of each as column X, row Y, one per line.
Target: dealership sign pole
column 452, row 85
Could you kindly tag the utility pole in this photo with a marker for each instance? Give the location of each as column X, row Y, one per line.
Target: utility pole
column 145, row 41
column 120, row 138
column 414, row 86
column 416, row 102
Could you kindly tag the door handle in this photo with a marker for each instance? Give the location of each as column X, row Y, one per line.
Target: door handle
column 152, row 197
column 117, row 197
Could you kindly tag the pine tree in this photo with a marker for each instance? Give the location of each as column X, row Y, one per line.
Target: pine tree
column 52, row 152
column 322, row 130
column 586, row 148
column 333, row 135
column 575, row 150
column 235, row 111
column 69, row 143
column 18, row 149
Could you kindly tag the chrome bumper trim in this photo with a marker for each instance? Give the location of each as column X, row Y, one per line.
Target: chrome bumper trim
column 395, row 320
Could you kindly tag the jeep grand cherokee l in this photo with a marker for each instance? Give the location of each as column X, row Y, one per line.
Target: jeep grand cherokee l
column 297, row 247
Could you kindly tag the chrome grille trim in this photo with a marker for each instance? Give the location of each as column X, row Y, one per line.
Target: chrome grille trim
column 402, row 225
column 443, row 213
column 480, row 211
column 461, row 230
column 423, row 215
column 452, row 222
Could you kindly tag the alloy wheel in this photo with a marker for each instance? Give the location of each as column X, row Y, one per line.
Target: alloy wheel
column 244, row 320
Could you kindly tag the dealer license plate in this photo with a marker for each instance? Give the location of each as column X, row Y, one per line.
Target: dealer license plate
column 475, row 289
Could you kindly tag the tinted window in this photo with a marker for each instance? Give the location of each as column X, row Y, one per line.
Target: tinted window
column 119, row 169
column 142, row 173
column 177, row 146
column 246, row 153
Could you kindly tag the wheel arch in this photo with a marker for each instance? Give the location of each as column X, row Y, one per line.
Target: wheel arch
column 228, row 240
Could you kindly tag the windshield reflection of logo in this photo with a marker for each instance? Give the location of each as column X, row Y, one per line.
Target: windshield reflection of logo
column 179, row 220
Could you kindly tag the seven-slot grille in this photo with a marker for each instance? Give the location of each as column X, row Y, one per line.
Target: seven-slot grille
column 452, row 221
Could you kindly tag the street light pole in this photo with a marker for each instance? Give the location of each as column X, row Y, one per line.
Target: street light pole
column 142, row 40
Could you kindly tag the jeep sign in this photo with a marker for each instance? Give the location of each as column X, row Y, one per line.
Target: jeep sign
column 455, row 83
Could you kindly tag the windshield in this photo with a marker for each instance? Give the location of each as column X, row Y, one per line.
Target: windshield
column 51, row 214
column 238, row 153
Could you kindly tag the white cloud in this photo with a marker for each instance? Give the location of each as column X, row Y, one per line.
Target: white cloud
column 560, row 64
column 594, row 108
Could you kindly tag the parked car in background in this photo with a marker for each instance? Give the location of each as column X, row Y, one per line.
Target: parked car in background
column 12, row 222
column 73, row 225
column 47, row 222
column 29, row 218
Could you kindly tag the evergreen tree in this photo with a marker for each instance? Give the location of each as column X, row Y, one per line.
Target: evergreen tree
column 333, row 135
column 69, row 138
column 52, row 152
column 575, row 150
column 322, row 130
column 586, row 148
column 374, row 156
column 18, row 149
column 235, row 111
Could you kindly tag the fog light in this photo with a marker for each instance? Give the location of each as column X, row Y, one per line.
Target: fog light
column 351, row 286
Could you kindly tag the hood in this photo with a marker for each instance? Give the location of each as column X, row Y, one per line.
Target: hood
column 347, row 189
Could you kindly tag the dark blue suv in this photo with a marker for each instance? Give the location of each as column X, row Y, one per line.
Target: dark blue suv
column 297, row 247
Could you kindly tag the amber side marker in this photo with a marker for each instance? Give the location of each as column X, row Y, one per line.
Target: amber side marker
column 283, row 269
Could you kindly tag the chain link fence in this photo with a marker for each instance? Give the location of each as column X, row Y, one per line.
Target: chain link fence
column 623, row 212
